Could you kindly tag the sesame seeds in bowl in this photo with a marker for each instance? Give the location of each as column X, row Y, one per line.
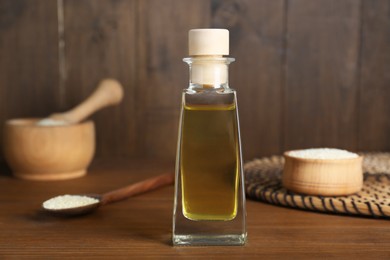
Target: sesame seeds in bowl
column 323, row 171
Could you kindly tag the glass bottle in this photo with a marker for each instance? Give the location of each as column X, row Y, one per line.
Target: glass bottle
column 209, row 204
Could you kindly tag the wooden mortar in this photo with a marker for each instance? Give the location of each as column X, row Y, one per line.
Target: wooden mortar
column 48, row 152
column 58, row 147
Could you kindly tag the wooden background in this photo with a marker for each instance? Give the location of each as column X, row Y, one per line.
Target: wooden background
column 308, row 73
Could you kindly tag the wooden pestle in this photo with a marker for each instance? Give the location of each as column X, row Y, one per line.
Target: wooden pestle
column 109, row 92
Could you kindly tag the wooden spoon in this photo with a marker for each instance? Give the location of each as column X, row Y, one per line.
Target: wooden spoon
column 113, row 196
column 109, row 92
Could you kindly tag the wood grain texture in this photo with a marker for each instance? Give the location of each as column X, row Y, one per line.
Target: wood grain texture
column 256, row 41
column 374, row 109
column 140, row 227
column 100, row 42
column 308, row 73
column 162, row 44
column 28, row 59
column 321, row 74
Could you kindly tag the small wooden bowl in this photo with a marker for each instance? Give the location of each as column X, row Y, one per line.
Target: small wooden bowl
column 326, row 177
column 48, row 152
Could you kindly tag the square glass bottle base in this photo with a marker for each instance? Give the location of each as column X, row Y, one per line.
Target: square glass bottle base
column 188, row 232
column 210, row 240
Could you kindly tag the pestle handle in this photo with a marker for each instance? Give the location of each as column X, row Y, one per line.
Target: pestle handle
column 109, row 92
column 137, row 188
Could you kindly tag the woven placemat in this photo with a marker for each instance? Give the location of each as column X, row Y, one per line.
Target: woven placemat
column 263, row 182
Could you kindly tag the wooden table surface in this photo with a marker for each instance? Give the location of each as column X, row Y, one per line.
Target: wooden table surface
column 140, row 227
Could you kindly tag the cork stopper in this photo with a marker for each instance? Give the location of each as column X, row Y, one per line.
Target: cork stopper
column 208, row 42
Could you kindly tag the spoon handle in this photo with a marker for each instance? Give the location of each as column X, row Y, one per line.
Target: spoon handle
column 137, row 188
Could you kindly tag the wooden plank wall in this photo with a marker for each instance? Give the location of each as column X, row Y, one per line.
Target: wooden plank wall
column 308, row 73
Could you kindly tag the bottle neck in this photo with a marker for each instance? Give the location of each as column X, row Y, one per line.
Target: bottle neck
column 209, row 72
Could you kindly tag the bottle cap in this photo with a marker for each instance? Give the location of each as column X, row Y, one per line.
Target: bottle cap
column 208, row 42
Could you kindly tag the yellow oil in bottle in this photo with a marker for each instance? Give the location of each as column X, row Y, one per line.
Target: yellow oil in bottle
column 209, row 162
